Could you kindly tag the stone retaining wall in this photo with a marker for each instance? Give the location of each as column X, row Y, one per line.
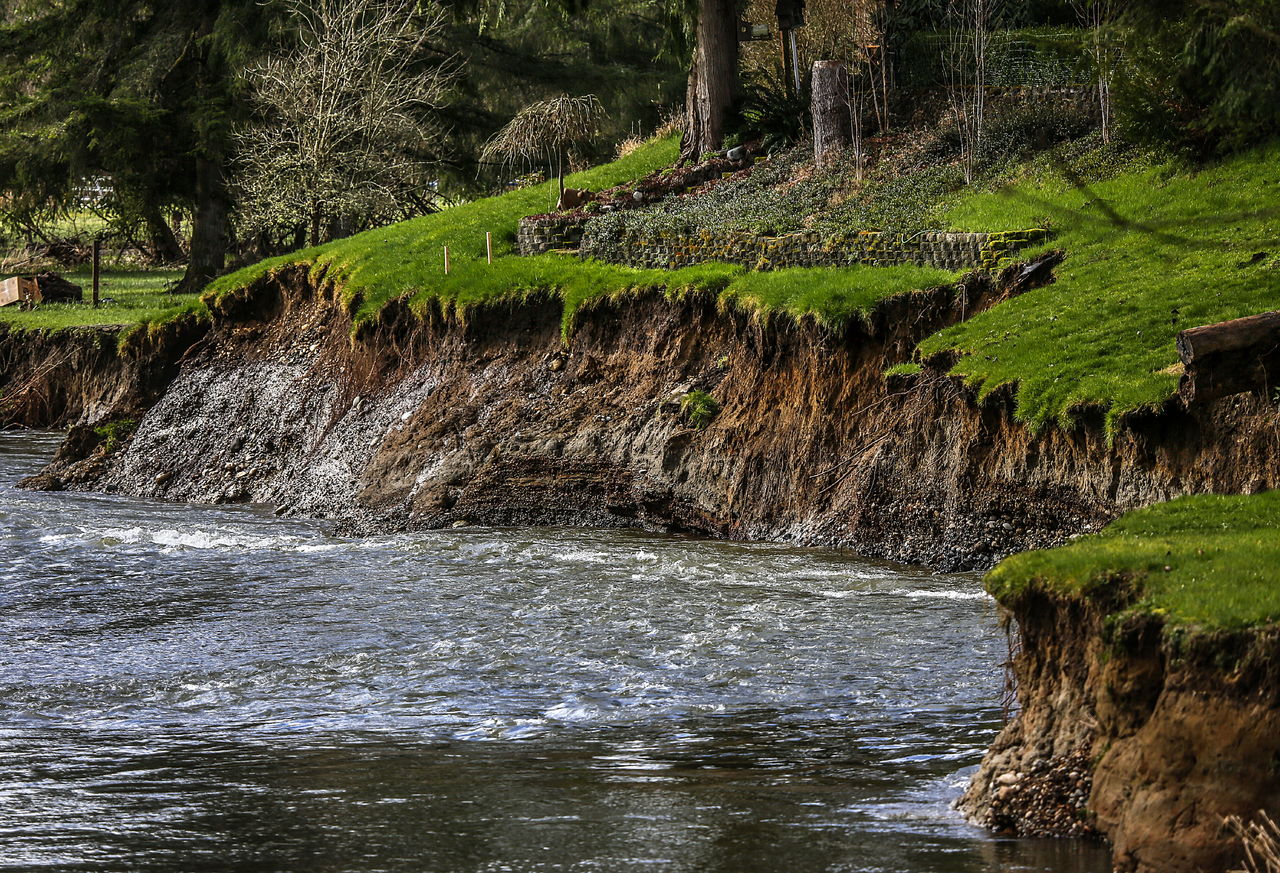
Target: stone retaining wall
column 540, row 234
column 947, row 250
column 944, row 250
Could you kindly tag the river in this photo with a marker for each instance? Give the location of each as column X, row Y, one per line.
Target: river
column 216, row 689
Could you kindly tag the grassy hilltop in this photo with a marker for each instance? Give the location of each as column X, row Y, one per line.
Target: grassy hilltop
column 1209, row 561
column 408, row 259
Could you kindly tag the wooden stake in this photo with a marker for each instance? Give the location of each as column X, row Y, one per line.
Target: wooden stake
column 446, row 260
column 97, row 268
column 488, row 245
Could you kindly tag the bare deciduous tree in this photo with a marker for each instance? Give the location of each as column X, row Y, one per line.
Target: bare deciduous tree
column 345, row 133
column 546, row 131
column 965, row 60
column 1099, row 16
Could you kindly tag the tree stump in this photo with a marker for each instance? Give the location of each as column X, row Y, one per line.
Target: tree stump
column 1230, row 357
column 831, row 118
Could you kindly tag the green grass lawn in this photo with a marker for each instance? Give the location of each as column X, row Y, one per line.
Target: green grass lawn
column 1210, row 562
column 1154, row 250
column 130, row 296
column 408, row 259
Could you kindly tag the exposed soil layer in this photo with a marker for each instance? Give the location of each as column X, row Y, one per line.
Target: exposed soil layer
column 55, row 379
column 428, row 421
column 1145, row 736
column 421, row 421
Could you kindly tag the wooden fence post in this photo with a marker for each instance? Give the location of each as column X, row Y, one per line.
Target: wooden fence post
column 97, row 268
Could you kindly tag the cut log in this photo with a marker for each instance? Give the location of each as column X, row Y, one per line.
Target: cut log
column 1230, row 357
column 831, row 117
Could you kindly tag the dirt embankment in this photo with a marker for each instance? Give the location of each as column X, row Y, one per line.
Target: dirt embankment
column 1145, row 737
column 429, row 421
column 425, row 422
column 82, row 376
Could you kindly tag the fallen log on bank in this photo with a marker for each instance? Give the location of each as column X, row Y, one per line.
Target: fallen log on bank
column 1230, row 357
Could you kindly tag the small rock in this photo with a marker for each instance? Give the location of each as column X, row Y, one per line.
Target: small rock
column 460, row 523
column 163, row 478
column 1009, row 778
column 557, row 365
column 406, row 416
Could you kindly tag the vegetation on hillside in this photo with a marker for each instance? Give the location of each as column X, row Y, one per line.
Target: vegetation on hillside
column 1154, row 249
column 407, row 259
column 1209, row 561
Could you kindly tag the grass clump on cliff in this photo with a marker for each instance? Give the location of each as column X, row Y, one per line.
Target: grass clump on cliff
column 129, row 297
column 1152, row 250
column 407, row 259
column 699, row 408
column 1207, row 561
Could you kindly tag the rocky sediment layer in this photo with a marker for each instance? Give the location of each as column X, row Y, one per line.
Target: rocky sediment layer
column 425, row 421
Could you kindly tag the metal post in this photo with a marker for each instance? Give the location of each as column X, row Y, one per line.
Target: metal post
column 795, row 59
column 446, row 260
column 786, row 60
column 488, row 245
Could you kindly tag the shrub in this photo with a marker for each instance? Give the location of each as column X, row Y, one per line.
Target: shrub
column 115, row 433
column 699, row 409
column 772, row 112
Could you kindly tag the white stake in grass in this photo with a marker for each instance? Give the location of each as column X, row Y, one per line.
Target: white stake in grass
column 446, row 260
column 488, row 245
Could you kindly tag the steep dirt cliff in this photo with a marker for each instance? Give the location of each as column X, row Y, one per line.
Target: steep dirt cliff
column 1147, row 737
column 52, row 379
column 429, row 421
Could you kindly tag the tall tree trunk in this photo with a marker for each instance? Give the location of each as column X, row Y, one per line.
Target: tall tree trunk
column 209, row 228
column 713, row 79
column 165, row 247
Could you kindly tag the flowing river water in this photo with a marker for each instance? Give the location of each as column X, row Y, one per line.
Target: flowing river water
column 216, row 689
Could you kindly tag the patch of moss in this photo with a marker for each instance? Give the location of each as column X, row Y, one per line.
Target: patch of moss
column 908, row 368
column 115, row 433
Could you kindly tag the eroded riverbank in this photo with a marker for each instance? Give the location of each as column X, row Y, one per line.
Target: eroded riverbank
column 214, row 688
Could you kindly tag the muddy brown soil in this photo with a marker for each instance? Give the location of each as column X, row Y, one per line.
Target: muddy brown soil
column 1148, row 738
column 56, row 379
column 487, row 417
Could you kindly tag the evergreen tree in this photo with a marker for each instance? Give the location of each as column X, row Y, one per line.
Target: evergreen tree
column 1202, row 73
column 143, row 93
